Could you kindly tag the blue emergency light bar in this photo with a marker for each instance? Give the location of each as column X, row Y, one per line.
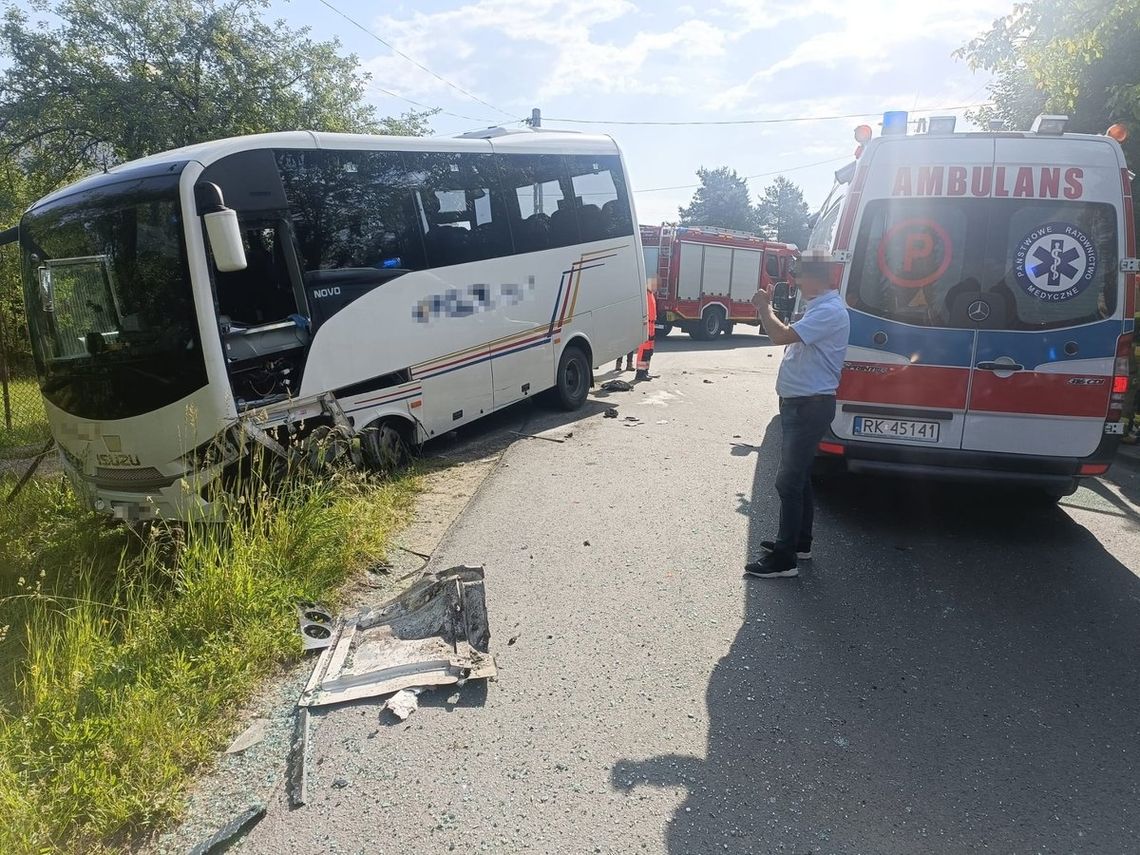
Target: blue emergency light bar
column 894, row 123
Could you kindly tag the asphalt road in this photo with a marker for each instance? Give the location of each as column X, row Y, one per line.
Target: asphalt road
column 954, row 672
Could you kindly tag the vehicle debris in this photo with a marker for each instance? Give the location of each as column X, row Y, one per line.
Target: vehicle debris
column 535, row 436
column 297, row 770
column 610, row 413
column 225, row 836
column 435, row 633
column 617, row 386
column 249, row 737
column 403, row 703
column 315, row 626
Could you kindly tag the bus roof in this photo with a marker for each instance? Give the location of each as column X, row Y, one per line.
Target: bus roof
column 208, row 152
column 523, row 141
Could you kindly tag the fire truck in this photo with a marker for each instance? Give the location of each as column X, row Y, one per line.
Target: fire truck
column 706, row 277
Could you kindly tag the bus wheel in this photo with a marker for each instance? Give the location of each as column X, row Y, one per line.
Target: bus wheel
column 572, row 384
column 710, row 324
column 385, row 446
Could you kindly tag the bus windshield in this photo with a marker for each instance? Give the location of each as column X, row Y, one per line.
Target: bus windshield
column 110, row 306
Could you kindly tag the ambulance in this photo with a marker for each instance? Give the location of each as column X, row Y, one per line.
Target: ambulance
column 990, row 279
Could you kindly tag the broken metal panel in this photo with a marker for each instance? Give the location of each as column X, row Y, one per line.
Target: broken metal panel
column 435, row 633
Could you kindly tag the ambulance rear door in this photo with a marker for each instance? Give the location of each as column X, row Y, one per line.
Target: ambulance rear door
column 1049, row 309
column 906, row 380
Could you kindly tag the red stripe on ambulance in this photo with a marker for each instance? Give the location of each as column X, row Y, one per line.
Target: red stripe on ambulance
column 1040, row 394
column 906, row 385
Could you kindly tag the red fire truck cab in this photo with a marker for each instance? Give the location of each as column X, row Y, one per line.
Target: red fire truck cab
column 706, row 277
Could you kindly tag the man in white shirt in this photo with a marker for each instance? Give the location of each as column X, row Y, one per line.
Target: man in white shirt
column 808, row 378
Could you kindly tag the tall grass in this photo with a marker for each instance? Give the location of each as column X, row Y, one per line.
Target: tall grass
column 29, row 422
column 126, row 654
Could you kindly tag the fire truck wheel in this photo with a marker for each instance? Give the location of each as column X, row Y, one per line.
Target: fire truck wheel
column 573, row 379
column 710, row 324
column 728, row 328
column 663, row 330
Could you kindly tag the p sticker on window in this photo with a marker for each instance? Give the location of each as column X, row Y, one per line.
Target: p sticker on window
column 915, row 253
column 1055, row 262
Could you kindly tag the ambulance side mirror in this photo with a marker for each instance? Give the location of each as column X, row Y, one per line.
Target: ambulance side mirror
column 222, row 228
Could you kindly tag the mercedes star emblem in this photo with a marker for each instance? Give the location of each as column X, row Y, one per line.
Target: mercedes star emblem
column 979, row 310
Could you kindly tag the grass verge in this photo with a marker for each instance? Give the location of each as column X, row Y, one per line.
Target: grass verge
column 29, row 423
column 125, row 655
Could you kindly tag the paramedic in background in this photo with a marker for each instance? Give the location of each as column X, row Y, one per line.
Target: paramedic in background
column 806, row 384
column 645, row 352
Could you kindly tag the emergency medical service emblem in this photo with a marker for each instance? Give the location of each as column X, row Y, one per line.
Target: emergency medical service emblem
column 1055, row 262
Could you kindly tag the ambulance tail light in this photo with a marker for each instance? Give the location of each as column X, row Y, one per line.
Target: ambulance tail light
column 1119, row 378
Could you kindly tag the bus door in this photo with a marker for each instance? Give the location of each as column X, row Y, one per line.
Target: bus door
column 1048, row 321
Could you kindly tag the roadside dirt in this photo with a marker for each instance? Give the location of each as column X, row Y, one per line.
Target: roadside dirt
column 255, row 776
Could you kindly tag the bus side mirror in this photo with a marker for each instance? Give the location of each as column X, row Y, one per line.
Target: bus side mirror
column 222, row 227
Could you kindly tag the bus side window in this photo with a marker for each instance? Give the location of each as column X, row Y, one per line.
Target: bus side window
column 351, row 209
column 603, row 201
column 460, row 208
column 542, row 213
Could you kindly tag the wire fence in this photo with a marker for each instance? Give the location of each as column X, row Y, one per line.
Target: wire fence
column 23, row 424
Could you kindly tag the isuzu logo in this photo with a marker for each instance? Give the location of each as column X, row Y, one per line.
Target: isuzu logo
column 979, row 310
column 117, row 459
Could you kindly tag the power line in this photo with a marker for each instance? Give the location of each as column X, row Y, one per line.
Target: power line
column 434, row 109
column 780, row 121
column 414, row 62
column 750, row 177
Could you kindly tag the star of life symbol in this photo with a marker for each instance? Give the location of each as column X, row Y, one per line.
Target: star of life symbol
column 1055, row 262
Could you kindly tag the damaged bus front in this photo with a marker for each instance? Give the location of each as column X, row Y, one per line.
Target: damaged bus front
column 115, row 328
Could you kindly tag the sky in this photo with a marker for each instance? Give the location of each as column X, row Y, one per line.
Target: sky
column 613, row 61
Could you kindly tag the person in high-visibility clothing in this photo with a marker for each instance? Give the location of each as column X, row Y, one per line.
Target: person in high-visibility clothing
column 645, row 352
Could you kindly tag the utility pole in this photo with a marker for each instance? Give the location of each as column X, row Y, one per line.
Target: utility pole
column 535, row 121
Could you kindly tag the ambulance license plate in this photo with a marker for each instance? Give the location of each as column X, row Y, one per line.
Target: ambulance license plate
column 895, row 429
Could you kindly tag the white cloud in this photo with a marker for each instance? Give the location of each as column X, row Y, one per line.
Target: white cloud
column 454, row 42
column 861, row 37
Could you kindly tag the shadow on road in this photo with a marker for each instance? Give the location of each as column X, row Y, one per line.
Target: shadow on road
column 492, row 434
column 954, row 672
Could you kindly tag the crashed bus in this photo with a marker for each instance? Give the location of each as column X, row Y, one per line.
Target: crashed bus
column 272, row 288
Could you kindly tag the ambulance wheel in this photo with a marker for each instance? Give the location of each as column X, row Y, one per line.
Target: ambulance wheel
column 385, row 446
column 710, row 324
column 572, row 383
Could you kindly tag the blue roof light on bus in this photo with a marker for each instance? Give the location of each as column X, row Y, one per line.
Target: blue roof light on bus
column 894, row 123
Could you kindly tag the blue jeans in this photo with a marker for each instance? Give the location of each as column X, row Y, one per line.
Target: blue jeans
column 803, row 422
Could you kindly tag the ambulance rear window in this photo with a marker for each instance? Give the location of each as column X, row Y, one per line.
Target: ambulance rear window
column 1033, row 264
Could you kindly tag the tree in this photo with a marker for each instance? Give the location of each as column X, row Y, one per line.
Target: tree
column 783, row 214
column 1076, row 57
column 721, row 200
column 91, row 83
column 114, row 80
